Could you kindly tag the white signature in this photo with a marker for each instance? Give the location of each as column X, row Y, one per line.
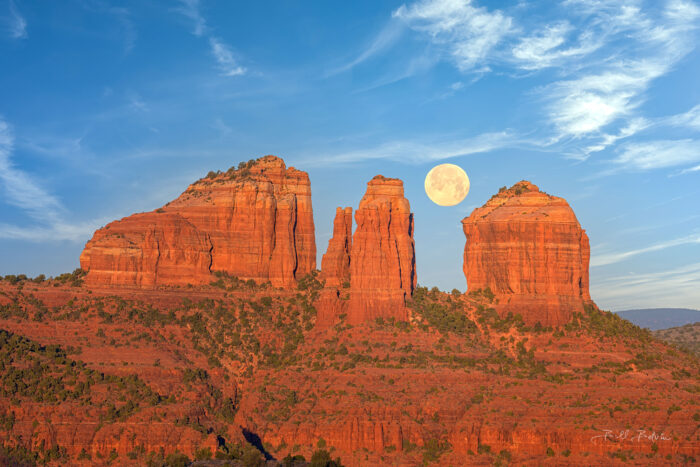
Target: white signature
column 631, row 435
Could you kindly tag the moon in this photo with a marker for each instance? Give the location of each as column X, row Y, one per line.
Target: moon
column 447, row 184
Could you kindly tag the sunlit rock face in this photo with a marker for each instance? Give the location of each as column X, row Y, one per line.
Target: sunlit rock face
column 147, row 249
column 372, row 272
column 382, row 259
column 528, row 248
column 254, row 222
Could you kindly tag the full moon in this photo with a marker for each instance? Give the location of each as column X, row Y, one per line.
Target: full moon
column 447, row 184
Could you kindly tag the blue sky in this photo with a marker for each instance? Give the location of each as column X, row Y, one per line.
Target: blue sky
column 110, row 108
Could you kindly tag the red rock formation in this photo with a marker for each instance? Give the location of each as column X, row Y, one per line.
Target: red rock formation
column 529, row 249
column 335, row 263
column 408, row 390
column 383, row 261
column 148, row 249
column 256, row 222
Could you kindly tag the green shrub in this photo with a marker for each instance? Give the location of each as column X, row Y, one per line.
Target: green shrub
column 322, row 458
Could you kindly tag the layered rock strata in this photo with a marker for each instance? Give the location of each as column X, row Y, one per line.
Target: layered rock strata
column 528, row 248
column 254, row 222
column 382, row 260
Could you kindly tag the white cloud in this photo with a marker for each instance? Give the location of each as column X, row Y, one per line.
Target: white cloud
column 612, row 258
column 586, row 105
column 416, row 152
column 190, row 9
column 20, row 190
column 682, row 11
column 415, row 65
column 469, row 33
column 692, row 169
column 58, row 231
column 690, row 119
column 543, row 49
column 677, row 287
column 42, row 207
column 658, row 154
column 633, row 127
column 17, row 25
column 384, row 40
column 224, row 57
column 647, row 47
column 609, row 52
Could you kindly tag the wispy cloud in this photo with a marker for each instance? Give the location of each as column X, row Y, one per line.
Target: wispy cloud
column 679, row 287
column 20, row 190
column 416, row 152
column 633, row 127
column 690, row 119
column 224, row 57
column 616, row 257
column 546, row 48
column 387, row 37
column 123, row 16
column 57, row 231
column 190, row 9
column 658, row 154
column 605, row 56
column 415, row 65
column 615, row 86
column 692, row 169
column 226, row 62
column 24, row 193
column 16, row 24
column 136, row 103
column 467, row 32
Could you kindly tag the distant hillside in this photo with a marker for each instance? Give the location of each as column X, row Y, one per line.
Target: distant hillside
column 687, row 337
column 661, row 318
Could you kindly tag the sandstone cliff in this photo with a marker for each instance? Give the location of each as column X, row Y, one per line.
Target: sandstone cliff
column 378, row 262
column 529, row 249
column 148, row 249
column 254, row 222
column 382, row 259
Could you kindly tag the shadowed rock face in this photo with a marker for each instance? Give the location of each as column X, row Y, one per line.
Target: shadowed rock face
column 256, row 223
column 529, row 249
column 335, row 263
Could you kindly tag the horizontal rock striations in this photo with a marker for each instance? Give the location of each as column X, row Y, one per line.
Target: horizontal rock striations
column 147, row 249
column 254, row 222
column 528, row 248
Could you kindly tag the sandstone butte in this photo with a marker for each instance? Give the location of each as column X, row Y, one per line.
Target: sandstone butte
column 255, row 222
column 378, row 263
column 528, row 248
